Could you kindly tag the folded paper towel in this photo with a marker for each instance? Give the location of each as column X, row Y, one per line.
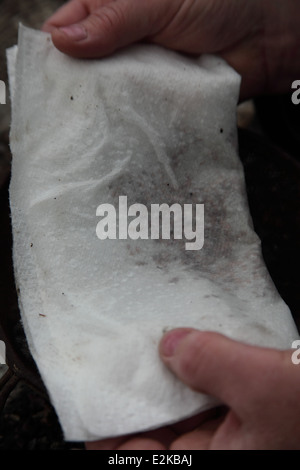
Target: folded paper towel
column 146, row 126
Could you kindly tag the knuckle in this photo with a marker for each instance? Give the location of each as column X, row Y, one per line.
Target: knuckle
column 110, row 19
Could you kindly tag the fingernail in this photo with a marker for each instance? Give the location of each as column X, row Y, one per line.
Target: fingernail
column 74, row 31
column 171, row 340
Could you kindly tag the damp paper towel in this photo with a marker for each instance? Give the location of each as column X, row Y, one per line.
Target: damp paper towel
column 156, row 127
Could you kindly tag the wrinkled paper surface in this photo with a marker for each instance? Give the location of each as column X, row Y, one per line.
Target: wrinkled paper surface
column 156, row 127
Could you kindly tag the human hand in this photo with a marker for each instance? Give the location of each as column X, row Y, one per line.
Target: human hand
column 260, row 386
column 158, row 439
column 259, row 38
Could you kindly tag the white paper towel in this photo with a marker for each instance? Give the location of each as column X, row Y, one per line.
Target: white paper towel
column 156, row 127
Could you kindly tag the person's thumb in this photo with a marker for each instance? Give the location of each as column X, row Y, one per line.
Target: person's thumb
column 110, row 27
column 233, row 372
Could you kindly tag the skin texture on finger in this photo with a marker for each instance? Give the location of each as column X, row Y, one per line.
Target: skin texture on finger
column 113, row 25
column 208, row 26
column 259, row 38
column 233, row 32
column 142, row 443
column 214, row 364
column 188, row 26
column 70, row 13
column 105, row 444
column 261, row 387
column 158, row 439
column 198, row 439
column 73, row 12
column 135, row 443
column 164, row 436
column 194, row 422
